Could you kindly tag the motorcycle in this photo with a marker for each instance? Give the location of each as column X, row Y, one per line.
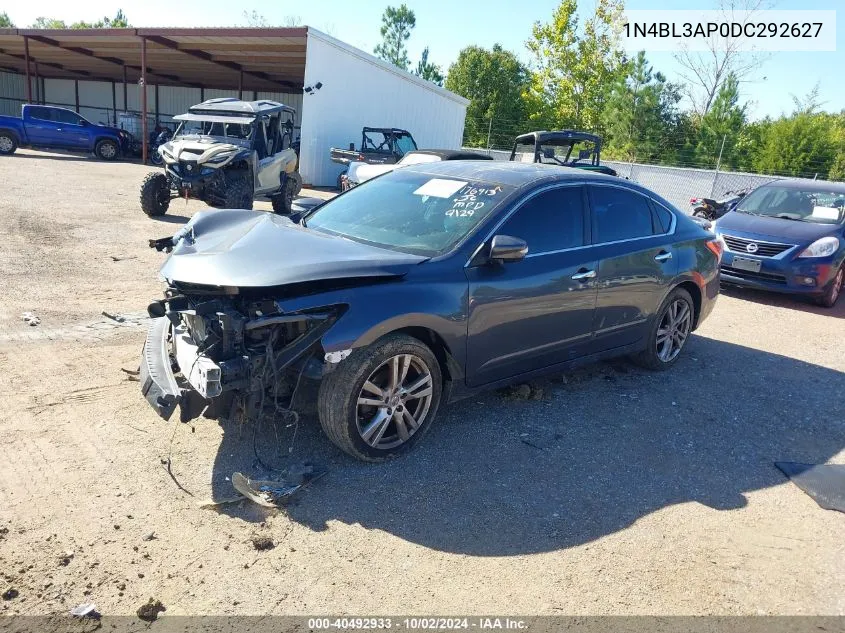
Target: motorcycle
column 163, row 137
column 710, row 209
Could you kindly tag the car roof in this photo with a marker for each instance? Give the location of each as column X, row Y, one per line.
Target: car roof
column 515, row 174
column 230, row 104
column 809, row 185
column 452, row 154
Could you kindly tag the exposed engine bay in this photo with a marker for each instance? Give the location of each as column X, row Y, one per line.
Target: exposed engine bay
column 232, row 357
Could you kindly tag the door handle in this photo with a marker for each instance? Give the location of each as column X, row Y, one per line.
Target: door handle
column 583, row 275
column 58, row 129
column 663, row 257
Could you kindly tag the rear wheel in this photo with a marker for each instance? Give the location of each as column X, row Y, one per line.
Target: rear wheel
column 381, row 400
column 155, row 194
column 106, row 150
column 669, row 333
column 8, row 143
column 283, row 202
column 834, row 290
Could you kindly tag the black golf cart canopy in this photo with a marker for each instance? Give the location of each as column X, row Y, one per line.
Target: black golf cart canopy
column 558, row 137
column 235, row 107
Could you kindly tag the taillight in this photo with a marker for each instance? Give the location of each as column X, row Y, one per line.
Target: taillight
column 715, row 247
column 693, row 200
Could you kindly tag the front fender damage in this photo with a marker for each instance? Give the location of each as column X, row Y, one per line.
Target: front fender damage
column 228, row 357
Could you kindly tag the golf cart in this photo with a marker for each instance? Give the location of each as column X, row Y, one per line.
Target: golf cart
column 226, row 152
column 568, row 148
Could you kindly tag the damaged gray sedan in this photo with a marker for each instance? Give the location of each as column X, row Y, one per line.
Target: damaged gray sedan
column 421, row 286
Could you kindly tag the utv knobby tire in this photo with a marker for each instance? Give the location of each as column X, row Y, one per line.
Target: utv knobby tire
column 649, row 358
column 107, row 150
column 155, row 194
column 239, row 191
column 338, row 398
column 8, row 143
column 283, row 203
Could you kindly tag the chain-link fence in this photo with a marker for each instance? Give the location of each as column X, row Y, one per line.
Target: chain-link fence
column 676, row 169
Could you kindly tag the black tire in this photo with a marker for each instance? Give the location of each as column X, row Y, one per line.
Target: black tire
column 107, row 150
column 155, row 194
column 337, row 405
column 700, row 213
column 8, row 142
column 283, row 203
column 239, row 190
column 834, row 290
column 650, row 358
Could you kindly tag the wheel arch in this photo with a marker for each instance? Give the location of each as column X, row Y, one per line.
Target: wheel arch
column 13, row 133
column 695, row 292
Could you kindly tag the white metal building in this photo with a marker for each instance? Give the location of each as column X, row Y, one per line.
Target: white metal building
column 99, row 72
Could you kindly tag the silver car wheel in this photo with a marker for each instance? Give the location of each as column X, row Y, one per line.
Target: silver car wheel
column 6, row 144
column 108, row 150
column 673, row 330
column 394, row 401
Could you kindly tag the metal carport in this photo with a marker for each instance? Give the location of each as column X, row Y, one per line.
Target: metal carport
column 263, row 59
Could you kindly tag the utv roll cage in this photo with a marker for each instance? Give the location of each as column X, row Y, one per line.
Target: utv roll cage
column 544, row 144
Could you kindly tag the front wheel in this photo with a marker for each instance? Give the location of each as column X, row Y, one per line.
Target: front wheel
column 669, row 333
column 239, row 190
column 283, row 202
column 107, row 150
column 381, row 400
column 8, row 143
column 834, row 289
column 155, row 194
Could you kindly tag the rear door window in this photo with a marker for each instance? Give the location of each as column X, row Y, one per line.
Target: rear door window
column 42, row 114
column 619, row 214
column 550, row 221
column 67, row 117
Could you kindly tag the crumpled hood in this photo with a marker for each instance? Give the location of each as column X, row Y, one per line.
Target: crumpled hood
column 778, row 229
column 253, row 249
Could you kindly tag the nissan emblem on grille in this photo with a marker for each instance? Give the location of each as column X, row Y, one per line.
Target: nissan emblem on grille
column 752, row 248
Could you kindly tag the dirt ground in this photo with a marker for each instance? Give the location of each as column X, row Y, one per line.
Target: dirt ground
column 609, row 491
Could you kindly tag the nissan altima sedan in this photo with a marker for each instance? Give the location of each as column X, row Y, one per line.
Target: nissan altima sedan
column 787, row 236
column 420, row 287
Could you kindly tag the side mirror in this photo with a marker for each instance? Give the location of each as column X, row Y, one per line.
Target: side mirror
column 504, row 249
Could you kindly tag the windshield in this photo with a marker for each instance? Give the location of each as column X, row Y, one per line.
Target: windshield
column 405, row 144
column 793, row 203
column 409, row 212
column 237, row 133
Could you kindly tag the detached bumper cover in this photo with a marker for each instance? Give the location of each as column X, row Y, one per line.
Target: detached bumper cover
column 158, row 384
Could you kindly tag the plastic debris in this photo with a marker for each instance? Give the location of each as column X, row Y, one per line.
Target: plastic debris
column 271, row 494
column 86, row 609
column 30, row 318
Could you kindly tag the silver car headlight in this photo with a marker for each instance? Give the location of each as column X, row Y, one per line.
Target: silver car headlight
column 823, row 247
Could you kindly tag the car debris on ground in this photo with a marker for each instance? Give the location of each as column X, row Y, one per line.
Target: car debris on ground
column 86, row 609
column 30, row 318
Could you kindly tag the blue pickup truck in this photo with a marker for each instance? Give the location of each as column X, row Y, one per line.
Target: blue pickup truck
column 48, row 127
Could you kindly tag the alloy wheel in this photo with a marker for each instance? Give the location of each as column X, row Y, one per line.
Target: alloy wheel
column 6, row 144
column 394, row 401
column 107, row 150
column 837, row 284
column 673, row 330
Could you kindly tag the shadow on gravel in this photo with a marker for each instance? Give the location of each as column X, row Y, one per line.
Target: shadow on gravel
column 603, row 447
column 171, row 219
column 791, row 302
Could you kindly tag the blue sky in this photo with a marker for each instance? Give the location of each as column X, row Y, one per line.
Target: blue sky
column 446, row 26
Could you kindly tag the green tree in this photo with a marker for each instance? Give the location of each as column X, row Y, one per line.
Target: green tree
column 396, row 27
column 494, row 82
column 5, row 21
column 575, row 68
column 803, row 144
column 720, row 130
column 429, row 70
column 640, row 114
column 119, row 21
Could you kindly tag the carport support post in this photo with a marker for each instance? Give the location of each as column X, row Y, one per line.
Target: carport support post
column 26, row 61
column 76, row 93
column 114, row 103
column 241, row 85
column 144, row 139
column 125, row 82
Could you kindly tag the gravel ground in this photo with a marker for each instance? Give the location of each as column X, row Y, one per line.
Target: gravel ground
column 607, row 491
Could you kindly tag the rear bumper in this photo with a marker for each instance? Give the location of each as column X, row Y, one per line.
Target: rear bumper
column 158, row 384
